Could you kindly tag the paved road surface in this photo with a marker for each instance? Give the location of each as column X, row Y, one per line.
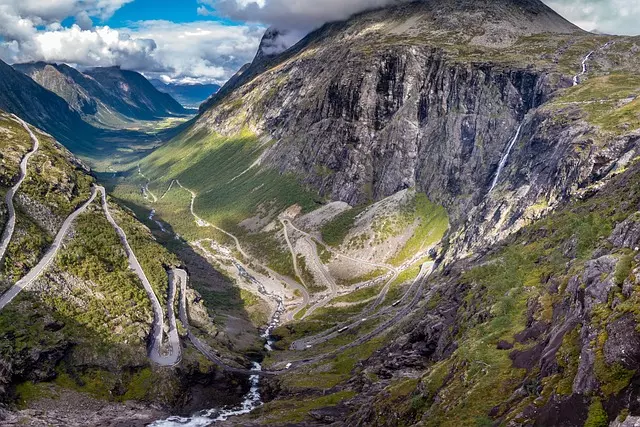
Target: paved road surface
column 292, row 283
column 48, row 257
column 322, row 337
column 181, row 276
column 157, row 332
column 145, row 190
column 383, row 292
column 11, row 222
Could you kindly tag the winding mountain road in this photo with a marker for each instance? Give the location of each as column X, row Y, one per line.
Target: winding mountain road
column 324, row 336
column 7, row 234
column 145, row 189
column 383, row 292
column 157, row 332
column 48, row 257
column 400, row 312
column 291, row 283
column 181, row 277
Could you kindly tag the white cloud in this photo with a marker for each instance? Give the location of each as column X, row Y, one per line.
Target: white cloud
column 42, row 12
column 102, row 46
column 608, row 16
column 30, row 30
column 613, row 16
column 208, row 51
column 294, row 14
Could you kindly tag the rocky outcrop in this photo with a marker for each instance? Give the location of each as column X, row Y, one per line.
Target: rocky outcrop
column 578, row 346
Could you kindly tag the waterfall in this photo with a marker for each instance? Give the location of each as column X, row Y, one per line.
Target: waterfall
column 505, row 158
column 576, row 78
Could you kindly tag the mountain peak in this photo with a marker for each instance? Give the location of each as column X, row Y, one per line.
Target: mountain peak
column 492, row 23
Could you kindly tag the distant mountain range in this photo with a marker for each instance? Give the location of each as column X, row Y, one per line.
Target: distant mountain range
column 22, row 96
column 104, row 97
column 189, row 95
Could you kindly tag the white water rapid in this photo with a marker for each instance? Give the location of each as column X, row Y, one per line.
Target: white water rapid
column 252, row 399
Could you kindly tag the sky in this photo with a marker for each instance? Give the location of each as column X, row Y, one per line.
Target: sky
column 207, row 41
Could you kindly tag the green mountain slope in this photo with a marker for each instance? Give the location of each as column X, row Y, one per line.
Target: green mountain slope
column 471, row 107
column 80, row 331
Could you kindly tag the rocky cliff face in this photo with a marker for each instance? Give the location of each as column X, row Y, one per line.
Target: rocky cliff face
column 395, row 99
column 530, row 319
column 561, row 347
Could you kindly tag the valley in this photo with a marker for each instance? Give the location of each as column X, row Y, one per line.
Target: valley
column 425, row 214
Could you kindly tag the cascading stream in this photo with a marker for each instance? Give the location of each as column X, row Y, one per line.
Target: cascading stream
column 253, row 398
column 505, row 158
column 576, row 78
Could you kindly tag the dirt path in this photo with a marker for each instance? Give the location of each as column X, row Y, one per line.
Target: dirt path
column 7, row 234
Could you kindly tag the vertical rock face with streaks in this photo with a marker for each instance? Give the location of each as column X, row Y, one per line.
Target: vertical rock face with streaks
column 396, row 99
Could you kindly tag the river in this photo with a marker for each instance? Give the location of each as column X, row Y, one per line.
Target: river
column 251, row 401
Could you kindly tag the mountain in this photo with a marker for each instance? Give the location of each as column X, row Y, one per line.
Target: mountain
column 82, row 329
column 426, row 214
column 189, row 95
column 356, row 108
column 24, row 97
column 104, row 97
column 483, row 185
column 134, row 89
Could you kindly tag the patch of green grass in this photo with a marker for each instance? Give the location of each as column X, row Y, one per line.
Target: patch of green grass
column 600, row 98
column 307, row 276
column 269, row 249
column 301, row 314
column 295, row 411
column 597, row 416
column 139, row 385
column 325, row 255
column 363, row 294
column 623, row 269
column 25, row 249
column 14, row 144
column 433, row 224
column 219, row 170
column 29, row 391
column 98, row 383
column 335, row 231
column 153, row 257
column 111, row 302
column 568, row 358
column 611, row 87
column 613, row 378
column 367, row 277
column 53, row 179
column 255, row 307
column 329, row 374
